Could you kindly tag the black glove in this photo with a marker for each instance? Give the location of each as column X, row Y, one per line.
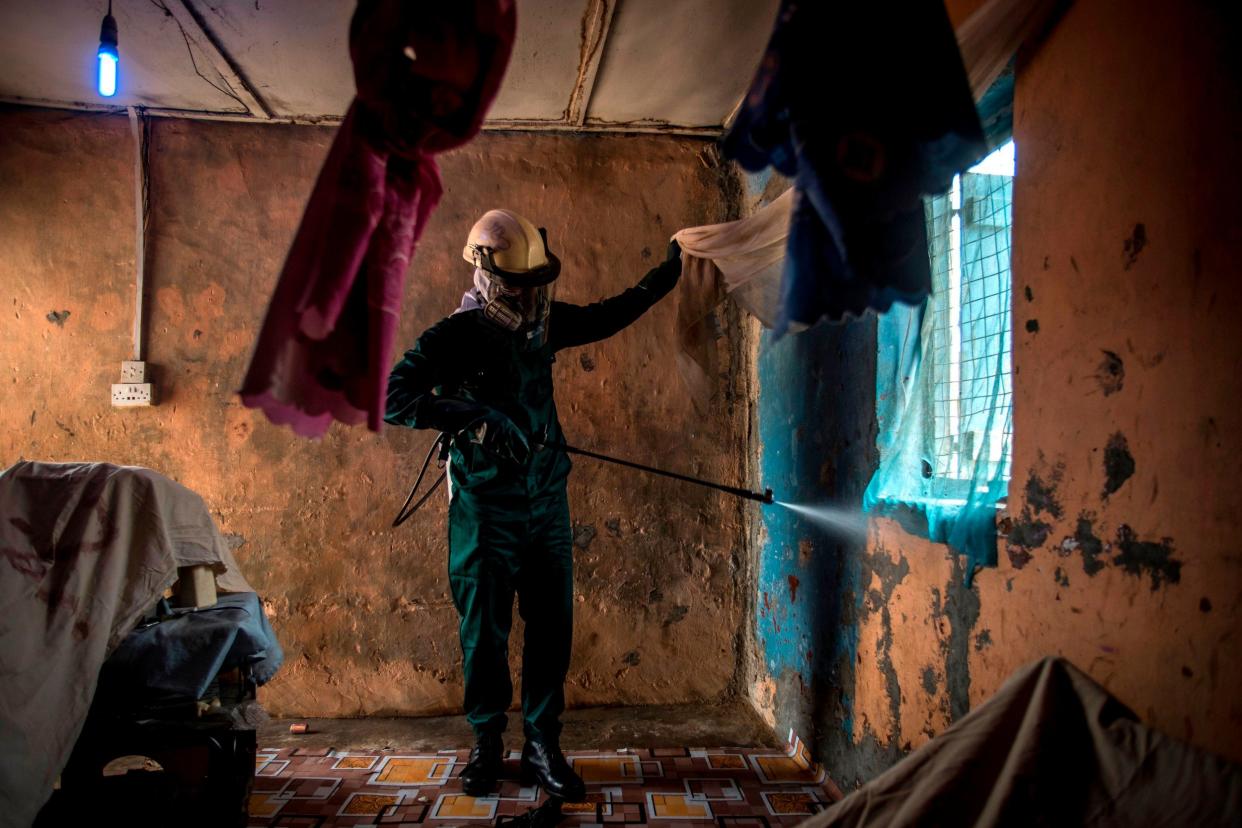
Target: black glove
column 500, row 436
column 673, row 254
column 664, row 276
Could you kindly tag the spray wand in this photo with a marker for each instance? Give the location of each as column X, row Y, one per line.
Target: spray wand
column 763, row 497
column 441, row 445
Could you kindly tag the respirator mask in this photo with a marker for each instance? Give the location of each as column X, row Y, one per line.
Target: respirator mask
column 514, row 273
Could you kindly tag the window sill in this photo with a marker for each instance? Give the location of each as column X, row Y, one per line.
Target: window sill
column 1001, row 506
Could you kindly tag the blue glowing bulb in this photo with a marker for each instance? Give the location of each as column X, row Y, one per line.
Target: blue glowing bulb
column 107, row 73
column 108, row 55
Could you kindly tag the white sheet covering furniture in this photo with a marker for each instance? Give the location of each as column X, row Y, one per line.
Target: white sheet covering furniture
column 85, row 550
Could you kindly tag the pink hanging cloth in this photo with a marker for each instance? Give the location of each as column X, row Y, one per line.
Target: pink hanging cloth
column 426, row 73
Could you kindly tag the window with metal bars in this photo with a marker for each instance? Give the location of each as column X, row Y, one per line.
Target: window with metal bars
column 970, row 410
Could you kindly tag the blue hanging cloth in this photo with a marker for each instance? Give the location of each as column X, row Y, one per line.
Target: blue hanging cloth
column 866, row 106
column 944, row 381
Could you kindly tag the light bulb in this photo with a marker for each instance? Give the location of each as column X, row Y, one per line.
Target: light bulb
column 108, row 55
column 107, row 74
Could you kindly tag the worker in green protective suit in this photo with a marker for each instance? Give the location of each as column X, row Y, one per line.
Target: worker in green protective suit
column 484, row 377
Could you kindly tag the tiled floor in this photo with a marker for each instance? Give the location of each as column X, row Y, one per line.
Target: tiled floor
column 627, row 786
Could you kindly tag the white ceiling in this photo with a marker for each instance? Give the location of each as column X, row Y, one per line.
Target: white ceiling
column 677, row 66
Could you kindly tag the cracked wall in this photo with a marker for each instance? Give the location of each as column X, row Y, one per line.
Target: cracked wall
column 363, row 611
column 1119, row 548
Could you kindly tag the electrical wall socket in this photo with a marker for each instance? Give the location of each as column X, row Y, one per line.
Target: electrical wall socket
column 131, row 394
column 133, row 371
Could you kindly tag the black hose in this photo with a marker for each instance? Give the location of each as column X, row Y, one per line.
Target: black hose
column 406, row 511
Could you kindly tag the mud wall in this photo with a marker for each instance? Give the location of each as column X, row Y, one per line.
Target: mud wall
column 1120, row 547
column 363, row 611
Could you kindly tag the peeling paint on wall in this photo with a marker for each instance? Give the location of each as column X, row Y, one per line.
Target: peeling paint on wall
column 1111, row 373
column 962, row 609
column 1088, row 545
column 1029, row 530
column 1152, row 558
column 880, row 569
column 1118, row 463
column 1134, row 245
column 1041, row 496
column 983, row 640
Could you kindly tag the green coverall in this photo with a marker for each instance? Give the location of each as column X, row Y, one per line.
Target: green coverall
column 509, row 529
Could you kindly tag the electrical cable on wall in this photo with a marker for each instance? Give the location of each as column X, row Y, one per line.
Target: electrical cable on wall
column 133, row 389
column 137, row 125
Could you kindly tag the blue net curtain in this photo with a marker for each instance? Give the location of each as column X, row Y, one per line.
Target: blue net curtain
column 944, row 381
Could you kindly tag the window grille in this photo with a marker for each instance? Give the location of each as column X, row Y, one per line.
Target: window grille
column 969, row 232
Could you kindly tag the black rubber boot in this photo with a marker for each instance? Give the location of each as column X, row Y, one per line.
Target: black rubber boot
column 484, row 766
column 544, row 763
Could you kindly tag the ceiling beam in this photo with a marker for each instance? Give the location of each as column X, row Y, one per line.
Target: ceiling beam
column 193, row 25
column 596, row 24
column 172, row 112
column 617, row 128
column 491, row 125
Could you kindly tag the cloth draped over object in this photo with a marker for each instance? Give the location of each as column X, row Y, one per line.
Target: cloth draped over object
column 944, row 388
column 85, row 549
column 867, row 107
column 425, row 74
column 987, row 42
column 1052, row 747
column 180, row 656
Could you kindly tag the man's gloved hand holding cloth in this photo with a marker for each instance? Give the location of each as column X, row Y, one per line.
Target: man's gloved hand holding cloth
column 663, row 277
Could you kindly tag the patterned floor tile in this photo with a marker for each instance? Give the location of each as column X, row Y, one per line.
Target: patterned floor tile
column 660, row 787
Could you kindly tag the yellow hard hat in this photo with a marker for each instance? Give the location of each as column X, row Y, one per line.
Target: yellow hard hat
column 511, row 249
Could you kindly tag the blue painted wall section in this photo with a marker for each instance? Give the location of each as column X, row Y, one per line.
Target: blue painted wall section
column 817, row 431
